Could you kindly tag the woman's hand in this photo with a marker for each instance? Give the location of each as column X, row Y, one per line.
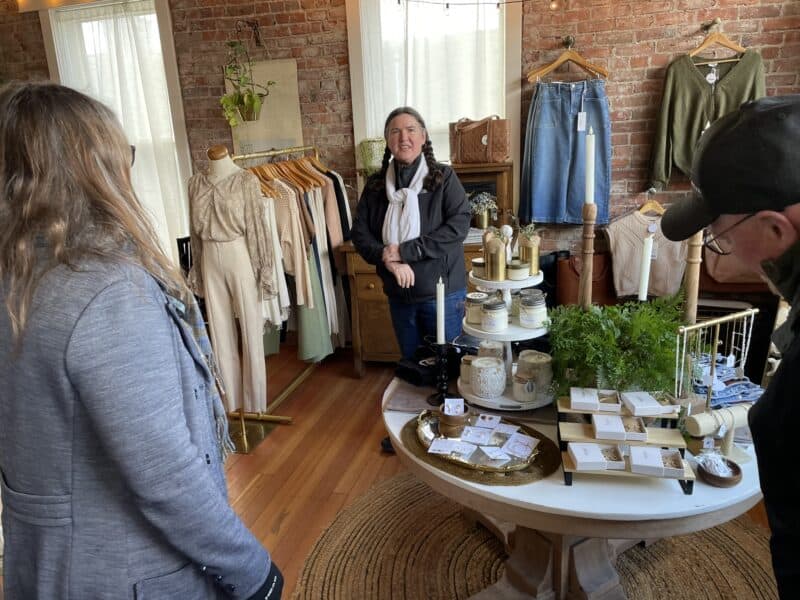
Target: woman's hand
column 391, row 253
column 402, row 272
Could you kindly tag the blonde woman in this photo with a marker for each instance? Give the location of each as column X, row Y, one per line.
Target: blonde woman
column 112, row 434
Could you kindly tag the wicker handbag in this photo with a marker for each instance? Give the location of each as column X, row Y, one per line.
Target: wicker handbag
column 484, row 141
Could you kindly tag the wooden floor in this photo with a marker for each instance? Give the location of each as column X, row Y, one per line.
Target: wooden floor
column 289, row 489
column 296, row 481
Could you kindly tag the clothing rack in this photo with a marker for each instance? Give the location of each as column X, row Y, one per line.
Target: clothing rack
column 304, row 374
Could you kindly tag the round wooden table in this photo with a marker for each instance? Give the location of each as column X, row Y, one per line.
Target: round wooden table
column 565, row 539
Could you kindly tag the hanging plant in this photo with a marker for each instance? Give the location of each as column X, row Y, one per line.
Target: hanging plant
column 245, row 100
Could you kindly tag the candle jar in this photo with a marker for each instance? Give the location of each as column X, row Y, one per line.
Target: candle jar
column 536, row 365
column 495, row 250
column 529, row 252
column 517, row 270
column 488, row 377
column 466, row 365
column 479, row 268
column 524, row 389
column 475, row 300
column 532, row 311
column 491, row 348
column 494, row 316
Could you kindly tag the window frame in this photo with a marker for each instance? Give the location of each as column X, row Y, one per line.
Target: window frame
column 513, row 78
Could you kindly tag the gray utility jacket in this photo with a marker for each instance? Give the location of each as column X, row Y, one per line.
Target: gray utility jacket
column 112, row 482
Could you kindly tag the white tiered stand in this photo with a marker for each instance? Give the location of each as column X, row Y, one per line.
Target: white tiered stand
column 514, row 333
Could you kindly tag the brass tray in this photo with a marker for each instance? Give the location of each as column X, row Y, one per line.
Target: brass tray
column 428, row 430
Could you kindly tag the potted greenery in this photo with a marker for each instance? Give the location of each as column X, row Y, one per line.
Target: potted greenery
column 244, row 101
column 480, row 205
column 624, row 347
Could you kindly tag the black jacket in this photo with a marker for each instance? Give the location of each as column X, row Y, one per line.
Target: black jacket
column 438, row 251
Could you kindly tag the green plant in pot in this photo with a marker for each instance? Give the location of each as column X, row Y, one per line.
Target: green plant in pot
column 624, row 347
column 244, row 101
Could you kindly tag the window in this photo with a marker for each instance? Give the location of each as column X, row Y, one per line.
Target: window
column 447, row 63
column 112, row 52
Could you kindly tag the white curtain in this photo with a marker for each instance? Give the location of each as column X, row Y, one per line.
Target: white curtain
column 112, row 53
column 446, row 63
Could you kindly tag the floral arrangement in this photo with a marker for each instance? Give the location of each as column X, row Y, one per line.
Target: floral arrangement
column 480, row 202
column 528, row 231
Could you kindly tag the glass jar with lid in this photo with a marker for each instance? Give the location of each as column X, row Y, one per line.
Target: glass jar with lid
column 473, row 306
column 494, row 316
column 532, row 310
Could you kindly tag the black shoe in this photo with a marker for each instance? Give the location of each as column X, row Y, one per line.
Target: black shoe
column 386, row 445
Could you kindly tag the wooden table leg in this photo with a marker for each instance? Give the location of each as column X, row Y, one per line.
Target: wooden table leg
column 529, row 570
column 592, row 573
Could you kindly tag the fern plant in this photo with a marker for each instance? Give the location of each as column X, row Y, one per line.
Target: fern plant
column 625, row 347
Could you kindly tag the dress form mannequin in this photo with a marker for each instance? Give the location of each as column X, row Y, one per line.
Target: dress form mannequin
column 220, row 164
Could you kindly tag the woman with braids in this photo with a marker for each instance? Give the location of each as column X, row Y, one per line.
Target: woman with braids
column 112, row 433
column 411, row 223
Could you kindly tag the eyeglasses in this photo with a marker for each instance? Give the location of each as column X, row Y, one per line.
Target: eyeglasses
column 133, row 154
column 713, row 242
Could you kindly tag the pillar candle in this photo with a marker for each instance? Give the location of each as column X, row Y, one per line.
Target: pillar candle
column 644, row 269
column 590, row 167
column 440, row 312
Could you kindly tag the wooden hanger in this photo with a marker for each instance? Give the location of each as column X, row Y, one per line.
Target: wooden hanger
column 652, row 206
column 724, row 41
column 569, row 55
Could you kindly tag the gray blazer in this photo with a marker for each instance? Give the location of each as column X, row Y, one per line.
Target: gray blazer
column 112, row 482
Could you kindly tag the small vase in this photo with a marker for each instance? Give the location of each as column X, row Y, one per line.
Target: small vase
column 250, row 113
column 481, row 220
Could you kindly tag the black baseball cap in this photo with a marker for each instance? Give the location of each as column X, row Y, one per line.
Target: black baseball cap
column 745, row 162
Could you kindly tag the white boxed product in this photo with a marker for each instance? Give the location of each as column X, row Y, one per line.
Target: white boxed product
column 642, row 404
column 635, row 430
column 671, row 458
column 609, row 401
column 614, row 456
column 583, row 399
column 608, row 427
column 646, row 460
column 587, row 457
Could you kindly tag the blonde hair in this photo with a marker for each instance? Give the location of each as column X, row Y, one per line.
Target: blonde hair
column 66, row 194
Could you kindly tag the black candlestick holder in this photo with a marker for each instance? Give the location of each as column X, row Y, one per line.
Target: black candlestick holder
column 437, row 398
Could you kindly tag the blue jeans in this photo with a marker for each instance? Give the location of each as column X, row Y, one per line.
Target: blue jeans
column 553, row 186
column 412, row 321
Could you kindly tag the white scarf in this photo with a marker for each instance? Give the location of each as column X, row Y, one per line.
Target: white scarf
column 401, row 222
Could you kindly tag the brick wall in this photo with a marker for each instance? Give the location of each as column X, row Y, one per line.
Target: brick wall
column 635, row 41
column 313, row 32
column 21, row 46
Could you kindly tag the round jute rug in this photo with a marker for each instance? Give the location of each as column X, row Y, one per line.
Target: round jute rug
column 403, row 541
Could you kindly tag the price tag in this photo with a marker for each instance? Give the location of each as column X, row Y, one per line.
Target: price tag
column 581, row 121
column 708, row 442
column 730, row 361
column 721, row 431
column 711, row 78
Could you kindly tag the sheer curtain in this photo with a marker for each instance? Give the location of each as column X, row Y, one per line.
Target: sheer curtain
column 112, row 53
column 446, row 63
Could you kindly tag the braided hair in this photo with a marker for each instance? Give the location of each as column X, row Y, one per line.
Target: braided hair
column 435, row 174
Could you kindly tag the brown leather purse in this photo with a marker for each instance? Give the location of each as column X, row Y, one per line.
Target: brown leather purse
column 568, row 279
column 484, row 141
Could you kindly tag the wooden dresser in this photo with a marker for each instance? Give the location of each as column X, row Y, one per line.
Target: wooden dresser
column 373, row 335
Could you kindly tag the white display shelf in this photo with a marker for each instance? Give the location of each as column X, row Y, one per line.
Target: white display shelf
column 504, row 402
column 513, row 333
column 506, row 285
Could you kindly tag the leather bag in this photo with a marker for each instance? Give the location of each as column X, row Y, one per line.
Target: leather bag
column 484, row 141
column 569, row 274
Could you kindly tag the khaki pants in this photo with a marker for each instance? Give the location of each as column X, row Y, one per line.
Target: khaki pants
column 230, row 291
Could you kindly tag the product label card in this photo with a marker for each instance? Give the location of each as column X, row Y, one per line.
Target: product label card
column 487, row 421
column 454, row 406
column 495, row 453
column 520, row 445
column 476, row 435
column 506, row 428
column 465, row 449
column 442, row 446
column 581, row 121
